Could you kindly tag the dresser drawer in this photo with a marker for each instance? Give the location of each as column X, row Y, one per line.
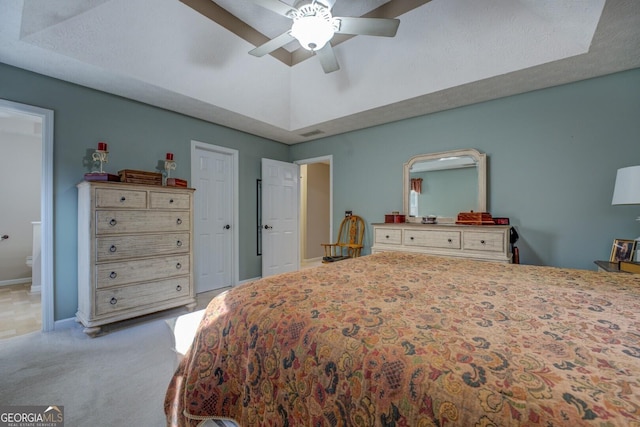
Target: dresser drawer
column 114, row 248
column 432, row 239
column 163, row 200
column 121, row 273
column 388, row 236
column 120, row 198
column 484, row 241
column 119, row 222
column 134, row 296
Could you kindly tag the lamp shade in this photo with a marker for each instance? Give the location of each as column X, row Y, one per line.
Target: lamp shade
column 313, row 32
column 627, row 188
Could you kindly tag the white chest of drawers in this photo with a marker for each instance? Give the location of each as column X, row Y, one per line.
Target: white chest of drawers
column 134, row 251
column 486, row 242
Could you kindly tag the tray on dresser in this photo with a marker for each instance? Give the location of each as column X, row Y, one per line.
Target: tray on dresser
column 101, row 176
column 140, row 177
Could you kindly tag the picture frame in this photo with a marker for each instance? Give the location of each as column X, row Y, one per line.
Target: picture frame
column 501, row 220
column 622, row 250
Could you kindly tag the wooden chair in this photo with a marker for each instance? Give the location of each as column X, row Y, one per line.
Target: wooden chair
column 349, row 243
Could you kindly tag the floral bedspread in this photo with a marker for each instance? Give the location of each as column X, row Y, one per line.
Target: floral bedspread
column 399, row 339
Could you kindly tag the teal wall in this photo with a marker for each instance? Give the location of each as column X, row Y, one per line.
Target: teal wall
column 138, row 136
column 552, row 161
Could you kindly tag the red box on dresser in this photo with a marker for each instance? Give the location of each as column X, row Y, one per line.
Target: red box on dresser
column 475, row 218
column 394, row 218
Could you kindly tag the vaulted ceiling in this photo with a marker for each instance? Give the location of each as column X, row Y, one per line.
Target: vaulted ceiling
column 190, row 56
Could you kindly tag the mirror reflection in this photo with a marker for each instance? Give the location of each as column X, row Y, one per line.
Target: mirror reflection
column 445, row 184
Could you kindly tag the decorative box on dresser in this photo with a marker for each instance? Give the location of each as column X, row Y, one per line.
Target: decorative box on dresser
column 134, row 251
column 481, row 242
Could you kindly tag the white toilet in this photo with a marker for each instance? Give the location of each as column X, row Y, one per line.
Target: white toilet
column 34, row 260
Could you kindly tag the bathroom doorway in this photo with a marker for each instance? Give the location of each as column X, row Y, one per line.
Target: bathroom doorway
column 26, row 137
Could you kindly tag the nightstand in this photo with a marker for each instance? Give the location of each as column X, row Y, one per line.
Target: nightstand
column 609, row 267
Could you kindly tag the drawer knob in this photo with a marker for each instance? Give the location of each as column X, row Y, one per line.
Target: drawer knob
column 113, row 301
column 178, row 288
column 482, row 242
column 178, row 266
column 113, row 248
column 113, row 222
column 122, row 199
column 178, row 221
column 113, row 275
column 387, row 236
column 170, row 200
column 411, row 237
column 179, row 243
column 449, row 240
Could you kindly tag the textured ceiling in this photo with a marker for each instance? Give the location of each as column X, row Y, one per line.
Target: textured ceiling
column 271, row 24
column 447, row 53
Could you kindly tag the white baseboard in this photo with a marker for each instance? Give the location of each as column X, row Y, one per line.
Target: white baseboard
column 65, row 324
column 15, row 281
column 249, row 280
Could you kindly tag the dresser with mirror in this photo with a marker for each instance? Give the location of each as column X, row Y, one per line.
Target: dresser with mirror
column 440, row 185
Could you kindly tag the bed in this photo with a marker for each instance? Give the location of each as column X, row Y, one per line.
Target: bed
column 401, row 339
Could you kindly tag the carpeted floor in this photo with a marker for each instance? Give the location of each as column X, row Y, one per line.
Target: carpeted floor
column 115, row 380
column 118, row 379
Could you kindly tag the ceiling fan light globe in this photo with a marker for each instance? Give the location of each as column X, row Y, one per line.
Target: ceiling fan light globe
column 313, row 32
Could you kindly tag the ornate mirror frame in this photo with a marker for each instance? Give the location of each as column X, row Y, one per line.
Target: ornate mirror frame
column 481, row 165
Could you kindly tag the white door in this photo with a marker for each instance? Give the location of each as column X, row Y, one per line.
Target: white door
column 279, row 217
column 214, row 226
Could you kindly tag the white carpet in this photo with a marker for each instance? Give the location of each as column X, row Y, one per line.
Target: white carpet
column 183, row 329
column 118, row 379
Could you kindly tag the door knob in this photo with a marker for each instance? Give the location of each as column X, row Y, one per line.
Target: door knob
column 268, row 227
column 226, row 227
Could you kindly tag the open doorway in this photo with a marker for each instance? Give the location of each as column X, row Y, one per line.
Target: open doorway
column 26, row 136
column 316, row 213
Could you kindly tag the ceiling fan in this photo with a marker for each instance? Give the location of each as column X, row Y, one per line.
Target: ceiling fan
column 313, row 27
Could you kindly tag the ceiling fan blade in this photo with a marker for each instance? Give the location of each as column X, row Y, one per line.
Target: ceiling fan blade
column 275, row 6
column 386, row 27
column 273, row 44
column 328, row 3
column 328, row 59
